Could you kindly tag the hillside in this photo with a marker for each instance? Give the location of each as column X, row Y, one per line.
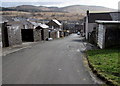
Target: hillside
column 69, row 13
column 84, row 8
column 73, row 8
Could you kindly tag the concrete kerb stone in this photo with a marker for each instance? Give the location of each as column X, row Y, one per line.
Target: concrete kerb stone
column 16, row 48
column 95, row 78
column 99, row 75
column 94, row 71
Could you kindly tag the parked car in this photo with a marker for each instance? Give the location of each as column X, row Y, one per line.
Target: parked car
column 78, row 33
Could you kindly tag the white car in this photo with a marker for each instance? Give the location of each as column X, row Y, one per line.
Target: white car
column 78, row 33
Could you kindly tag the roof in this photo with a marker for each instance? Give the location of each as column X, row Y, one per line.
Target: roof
column 2, row 19
column 98, row 16
column 14, row 23
column 108, row 22
column 115, row 16
column 57, row 22
column 44, row 26
column 39, row 24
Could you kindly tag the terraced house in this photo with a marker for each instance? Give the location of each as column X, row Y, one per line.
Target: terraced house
column 92, row 31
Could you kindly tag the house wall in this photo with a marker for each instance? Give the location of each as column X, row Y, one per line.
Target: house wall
column 108, row 35
column 112, row 35
column 89, row 29
column 44, row 33
column 86, row 28
column 4, row 31
column 58, row 34
column 37, row 35
column 66, row 34
column 53, row 34
column 101, row 36
column 0, row 34
column 14, row 35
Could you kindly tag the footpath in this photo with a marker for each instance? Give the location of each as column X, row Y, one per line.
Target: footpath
column 12, row 49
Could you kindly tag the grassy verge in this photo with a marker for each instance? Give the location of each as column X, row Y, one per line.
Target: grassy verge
column 106, row 62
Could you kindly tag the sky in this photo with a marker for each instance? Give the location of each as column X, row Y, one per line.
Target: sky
column 60, row 3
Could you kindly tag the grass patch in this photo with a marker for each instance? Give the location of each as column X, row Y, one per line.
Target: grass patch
column 106, row 62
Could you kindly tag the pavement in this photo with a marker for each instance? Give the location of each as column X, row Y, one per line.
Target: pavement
column 52, row 62
column 15, row 48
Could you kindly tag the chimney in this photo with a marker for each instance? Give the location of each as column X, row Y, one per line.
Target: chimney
column 87, row 12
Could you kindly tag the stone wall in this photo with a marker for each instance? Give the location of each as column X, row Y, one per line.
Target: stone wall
column 14, row 35
column 44, row 33
column 37, row 35
column 53, row 34
column 4, row 31
column 0, row 34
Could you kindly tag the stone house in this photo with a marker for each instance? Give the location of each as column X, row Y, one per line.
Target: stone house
column 108, row 33
column 56, row 25
column 90, row 24
column 11, row 33
column 44, row 29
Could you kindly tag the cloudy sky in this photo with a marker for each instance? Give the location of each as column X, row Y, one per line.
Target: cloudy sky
column 61, row 3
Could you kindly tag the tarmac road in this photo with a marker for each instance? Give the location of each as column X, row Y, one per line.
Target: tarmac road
column 53, row 62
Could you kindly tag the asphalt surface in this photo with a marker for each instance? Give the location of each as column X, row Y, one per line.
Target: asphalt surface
column 53, row 62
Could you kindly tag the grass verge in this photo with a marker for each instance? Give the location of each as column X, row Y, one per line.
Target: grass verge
column 106, row 63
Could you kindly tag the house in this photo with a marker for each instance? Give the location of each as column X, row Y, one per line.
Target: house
column 37, row 33
column 56, row 25
column 90, row 24
column 52, row 33
column 44, row 31
column 108, row 33
column 11, row 33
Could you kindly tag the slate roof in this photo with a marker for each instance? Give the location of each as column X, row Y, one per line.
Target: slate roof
column 115, row 16
column 44, row 26
column 57, row 22
column 107, row 16
column 98, row 16
column 39, row 24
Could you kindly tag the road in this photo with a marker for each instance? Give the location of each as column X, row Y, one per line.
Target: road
column 53, row 62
